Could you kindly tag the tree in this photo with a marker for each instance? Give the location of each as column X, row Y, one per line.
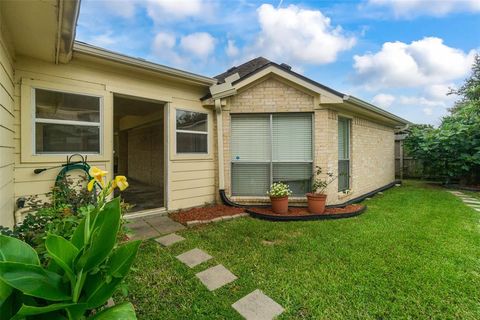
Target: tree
column 453, row 149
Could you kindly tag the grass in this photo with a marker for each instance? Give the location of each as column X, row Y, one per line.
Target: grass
column 414, row 254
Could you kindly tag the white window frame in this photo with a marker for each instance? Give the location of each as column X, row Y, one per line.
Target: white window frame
column 191, row 131
column 65, row 122
column 349, row 137
column 271, row 162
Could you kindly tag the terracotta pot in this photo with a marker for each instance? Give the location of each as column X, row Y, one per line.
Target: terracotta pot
column 316, row 202
column 279, row 204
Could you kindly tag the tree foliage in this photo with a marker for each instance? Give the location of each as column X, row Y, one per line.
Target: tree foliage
column 453, row 149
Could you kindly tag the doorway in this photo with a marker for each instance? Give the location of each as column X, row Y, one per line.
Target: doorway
column 139, row 146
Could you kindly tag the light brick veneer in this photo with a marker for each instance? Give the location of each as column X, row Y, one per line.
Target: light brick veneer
column 372, row 144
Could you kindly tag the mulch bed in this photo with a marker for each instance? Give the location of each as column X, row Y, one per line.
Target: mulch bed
column 302, row 214
column 205, row 213
column 295, row 212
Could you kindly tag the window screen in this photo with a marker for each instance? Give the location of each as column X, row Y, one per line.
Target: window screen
column 66, row 122
column 191, row 132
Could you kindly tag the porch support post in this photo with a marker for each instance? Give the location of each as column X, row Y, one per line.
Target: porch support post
column 221, row 171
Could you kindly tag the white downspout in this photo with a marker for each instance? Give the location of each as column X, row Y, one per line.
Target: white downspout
column 221, row 172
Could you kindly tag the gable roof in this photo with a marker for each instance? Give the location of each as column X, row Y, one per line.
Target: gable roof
column 244, row 69
column 258, row 64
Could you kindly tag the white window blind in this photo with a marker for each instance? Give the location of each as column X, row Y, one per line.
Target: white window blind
column 268, row 148
column 292, row 137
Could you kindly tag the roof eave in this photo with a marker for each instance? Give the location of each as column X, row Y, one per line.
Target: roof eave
column 375, row 109
column 143, row 64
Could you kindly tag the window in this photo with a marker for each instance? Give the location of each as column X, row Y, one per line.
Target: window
column 343, row 154
column 268, row 148
column 192, row 132
column 66, row 122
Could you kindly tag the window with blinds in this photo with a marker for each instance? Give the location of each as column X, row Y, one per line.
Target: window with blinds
column 269, row 148
column 343, row 154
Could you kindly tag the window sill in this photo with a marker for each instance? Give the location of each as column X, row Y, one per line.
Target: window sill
column 342, row 195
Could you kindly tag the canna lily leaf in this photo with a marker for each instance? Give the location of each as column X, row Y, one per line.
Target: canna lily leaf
column 103, row 237
column 99, row 288
column 34, row 281
column 14, row 250
column 123, row 311
column 63, row 252
column 122, row 258
column 26, row 310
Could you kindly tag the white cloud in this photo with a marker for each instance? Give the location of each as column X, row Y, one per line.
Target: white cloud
column 199, row 44
column 182, row 52
column 424, row 62
column 293, row 34
column 413, row 8
column 232, row 50
column 122, row 8
column 164, row 41
column 383, row 100
column 163, row 47
column 160, row 10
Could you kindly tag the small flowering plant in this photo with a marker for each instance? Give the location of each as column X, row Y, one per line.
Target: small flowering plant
column 320, row 185
column 279, row 190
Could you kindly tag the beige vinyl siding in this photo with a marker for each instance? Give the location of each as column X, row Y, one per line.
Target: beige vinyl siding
column 190, row 178
column 6, row 131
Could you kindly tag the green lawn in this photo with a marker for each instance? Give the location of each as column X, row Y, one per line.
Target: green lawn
column 414, row 254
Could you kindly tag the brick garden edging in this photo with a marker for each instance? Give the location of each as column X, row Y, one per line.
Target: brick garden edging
column 218, row 219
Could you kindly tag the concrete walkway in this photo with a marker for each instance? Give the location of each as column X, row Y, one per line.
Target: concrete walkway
column 469, row 201
column 254, row 306
column 153, row 226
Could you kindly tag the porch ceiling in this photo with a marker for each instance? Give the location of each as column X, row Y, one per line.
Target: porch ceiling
column 41, row 29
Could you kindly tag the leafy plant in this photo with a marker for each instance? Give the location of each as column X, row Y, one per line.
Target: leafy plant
column 82, row 273
column 319, row 185
column 278, row 190
column 453, row 149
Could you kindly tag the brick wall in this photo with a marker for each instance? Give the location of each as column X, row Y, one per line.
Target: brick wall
column 372, row 144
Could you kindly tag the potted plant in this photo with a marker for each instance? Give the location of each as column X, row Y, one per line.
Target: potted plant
column 317, row 198
column 279, row 193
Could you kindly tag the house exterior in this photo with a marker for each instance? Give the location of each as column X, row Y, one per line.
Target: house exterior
column 257, row 123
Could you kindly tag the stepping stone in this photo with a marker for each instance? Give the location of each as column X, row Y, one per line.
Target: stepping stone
column 257, row 306
column 169, row 239
column 468, row 198
column 471, row 201
column 142, row 230
column 194, row 257
column 163, row 224
column 216, row 277
column 455, row 192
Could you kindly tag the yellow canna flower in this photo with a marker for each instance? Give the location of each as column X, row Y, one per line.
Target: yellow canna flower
column 97, row 175
column 90, row 185
column 120, row 182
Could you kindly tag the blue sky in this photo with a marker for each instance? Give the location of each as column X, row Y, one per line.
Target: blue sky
column 402, row 55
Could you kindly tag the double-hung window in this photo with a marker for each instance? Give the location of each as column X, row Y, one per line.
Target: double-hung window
column 343, row 154
column 66, row 122
column 191, row 132
column 267, row 148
